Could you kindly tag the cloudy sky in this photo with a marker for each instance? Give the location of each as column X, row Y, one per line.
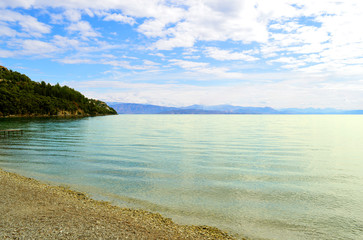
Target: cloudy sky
column 278, row 53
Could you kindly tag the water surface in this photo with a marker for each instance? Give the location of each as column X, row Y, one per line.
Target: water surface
column 257, row 176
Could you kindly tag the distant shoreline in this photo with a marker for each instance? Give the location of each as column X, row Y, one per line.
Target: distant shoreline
column 136, row 108
column 31, row 209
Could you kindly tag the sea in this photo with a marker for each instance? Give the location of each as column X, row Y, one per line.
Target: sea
column 254, row 176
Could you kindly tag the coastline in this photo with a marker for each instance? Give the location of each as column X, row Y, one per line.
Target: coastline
column 32, row 209
column 54, row 116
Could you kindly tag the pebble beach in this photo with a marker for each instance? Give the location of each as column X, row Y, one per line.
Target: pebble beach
column 30, row 209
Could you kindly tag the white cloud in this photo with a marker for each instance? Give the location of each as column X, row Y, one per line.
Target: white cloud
column 56, row 18
column 289, row 62
column 281, row 94
column 76, row 61
column 332, row 45
column 189, row 65
column 84, row 28
column 158, row 55
column 202, row 70
column 17, row 3
column 220, row 54
column 193, row 57
column 150, row 63
column 7, row 31
column 29, row 25
column 73, row 15
column 36, row 47
column 65, row 43
column 124, row 64
column 157, row 24
column 180, row 40
column 6, row 53
column 210, row 21
column 293, row 37
column 107, row 59
column 120, row 18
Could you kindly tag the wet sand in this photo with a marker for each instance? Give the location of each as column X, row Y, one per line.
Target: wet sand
column 30, row 209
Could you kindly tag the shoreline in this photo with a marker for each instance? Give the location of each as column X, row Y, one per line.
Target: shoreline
column 54, row 116
column 32, row 209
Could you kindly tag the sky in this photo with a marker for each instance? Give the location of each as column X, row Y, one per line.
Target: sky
column 280, row 53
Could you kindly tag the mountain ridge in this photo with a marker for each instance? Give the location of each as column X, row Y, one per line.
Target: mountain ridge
column 136, row 108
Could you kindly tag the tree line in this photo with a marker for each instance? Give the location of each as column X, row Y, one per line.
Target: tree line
column 19, row 95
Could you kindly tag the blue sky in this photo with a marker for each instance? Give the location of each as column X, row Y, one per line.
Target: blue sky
column 281, row 53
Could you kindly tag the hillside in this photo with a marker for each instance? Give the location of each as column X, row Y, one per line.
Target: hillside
column 20, row 96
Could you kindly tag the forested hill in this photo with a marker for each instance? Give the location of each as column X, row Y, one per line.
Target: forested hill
column 20, row 96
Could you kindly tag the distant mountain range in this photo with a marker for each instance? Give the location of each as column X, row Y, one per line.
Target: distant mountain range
column 135, row 108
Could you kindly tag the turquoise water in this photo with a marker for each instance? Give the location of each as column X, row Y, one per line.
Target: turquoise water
column 257, row 176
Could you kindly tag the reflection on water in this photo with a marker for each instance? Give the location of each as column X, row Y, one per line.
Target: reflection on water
column 273, row 177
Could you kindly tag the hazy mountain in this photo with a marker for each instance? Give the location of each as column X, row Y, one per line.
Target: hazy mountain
column 354, row 112
column 134, row 108
column 224, row 109
column 318, row 111
column 192, row 111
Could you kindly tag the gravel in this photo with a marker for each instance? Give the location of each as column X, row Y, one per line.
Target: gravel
column 30, row 209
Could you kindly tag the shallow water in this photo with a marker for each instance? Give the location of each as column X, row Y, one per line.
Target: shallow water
column 257, row 176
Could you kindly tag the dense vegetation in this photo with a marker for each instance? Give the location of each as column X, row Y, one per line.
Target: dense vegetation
column 21, row 96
